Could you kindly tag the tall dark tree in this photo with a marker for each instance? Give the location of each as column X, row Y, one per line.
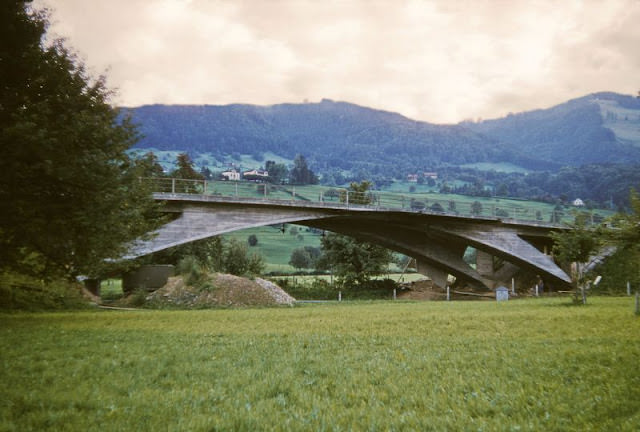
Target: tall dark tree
column 185, row 169
column 150, row 165
column 69, row 193
column 300, row 173
column 277, row 171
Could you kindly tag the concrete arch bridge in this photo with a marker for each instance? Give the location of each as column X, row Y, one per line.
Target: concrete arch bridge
column 436, row 240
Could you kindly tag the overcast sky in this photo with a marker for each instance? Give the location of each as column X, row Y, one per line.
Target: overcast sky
column 437, row 61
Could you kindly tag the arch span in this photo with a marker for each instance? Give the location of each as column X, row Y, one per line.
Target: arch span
column 437, row 240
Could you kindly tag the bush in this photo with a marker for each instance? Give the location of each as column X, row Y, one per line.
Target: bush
column 502, row 213
column 193, row 271
column 318, row 289
column 20, row 292
column 139, row 297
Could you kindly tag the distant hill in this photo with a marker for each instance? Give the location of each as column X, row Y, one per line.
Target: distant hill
column 598, row 128
column 329, row 134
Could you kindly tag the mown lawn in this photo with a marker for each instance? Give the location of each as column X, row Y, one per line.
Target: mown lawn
column 529, row 365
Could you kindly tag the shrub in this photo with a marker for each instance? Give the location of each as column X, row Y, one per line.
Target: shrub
column 193, row 271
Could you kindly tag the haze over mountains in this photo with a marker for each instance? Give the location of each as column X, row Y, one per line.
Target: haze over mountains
column 598, row 128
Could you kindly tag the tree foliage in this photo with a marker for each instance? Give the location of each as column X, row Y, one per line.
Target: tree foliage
column 576, row 244
column 278, row 172
column 70, row 194
column 622, row 232
column 352, row 261
column 573, row 248
column 358, row 193
column 300, row 173
column 304, row 257
column 185, row 169
column 213, row 254
column 624, row 265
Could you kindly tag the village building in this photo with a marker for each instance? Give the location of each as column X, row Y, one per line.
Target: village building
column 255, row 173
column 231, row 174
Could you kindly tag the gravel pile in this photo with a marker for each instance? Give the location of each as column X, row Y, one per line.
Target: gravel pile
column 278, row 294
column 219, row 290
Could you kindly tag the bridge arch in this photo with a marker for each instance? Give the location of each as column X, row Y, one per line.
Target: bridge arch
column 437, row 241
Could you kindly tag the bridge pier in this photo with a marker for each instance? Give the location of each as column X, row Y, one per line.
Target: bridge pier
column 438, row 276
column 495, row 271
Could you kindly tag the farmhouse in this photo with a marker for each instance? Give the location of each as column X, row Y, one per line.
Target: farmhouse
column 231, row 174
column 578, row 202
column 255, row 173
column 413, row 178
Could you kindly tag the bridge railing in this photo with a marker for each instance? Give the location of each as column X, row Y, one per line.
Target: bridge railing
column 332, row 196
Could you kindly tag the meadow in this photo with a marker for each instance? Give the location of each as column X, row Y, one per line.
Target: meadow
column 525, row 365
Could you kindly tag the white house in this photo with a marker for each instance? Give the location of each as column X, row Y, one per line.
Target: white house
column 578, row 202
column 232, row 174
column 255, row 172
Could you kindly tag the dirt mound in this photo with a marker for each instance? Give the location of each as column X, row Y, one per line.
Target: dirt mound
column 219, row 290
column 422, row 289
column 425, row 289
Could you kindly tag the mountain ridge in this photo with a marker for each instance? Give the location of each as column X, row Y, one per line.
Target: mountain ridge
column 347, row 136
column 573, row 133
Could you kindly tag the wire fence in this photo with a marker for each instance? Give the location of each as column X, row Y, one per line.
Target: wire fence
column 478, row 207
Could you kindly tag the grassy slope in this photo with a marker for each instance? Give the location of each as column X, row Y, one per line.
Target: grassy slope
column 624, row 122
column 521, row 365
column 276, row 246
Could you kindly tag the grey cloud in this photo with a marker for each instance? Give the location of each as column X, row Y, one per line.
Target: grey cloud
column 439, row 61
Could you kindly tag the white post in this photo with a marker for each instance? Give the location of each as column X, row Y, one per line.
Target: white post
column 448, row 295
column 236, row 189
column 394, row 293
column 628, row 288
column 536, row 290
column 173, row 185
column 339, row 296
column 347, row 198
column 513, row 286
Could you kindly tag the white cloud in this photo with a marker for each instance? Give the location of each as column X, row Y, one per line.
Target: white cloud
column 439, row 61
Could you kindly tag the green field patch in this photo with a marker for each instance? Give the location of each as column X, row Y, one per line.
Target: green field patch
column 496, row 166
column 521, row 365
column 624, row 122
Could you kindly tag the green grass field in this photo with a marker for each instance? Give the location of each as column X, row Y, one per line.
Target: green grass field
column 276, row 246
column 520, row 365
